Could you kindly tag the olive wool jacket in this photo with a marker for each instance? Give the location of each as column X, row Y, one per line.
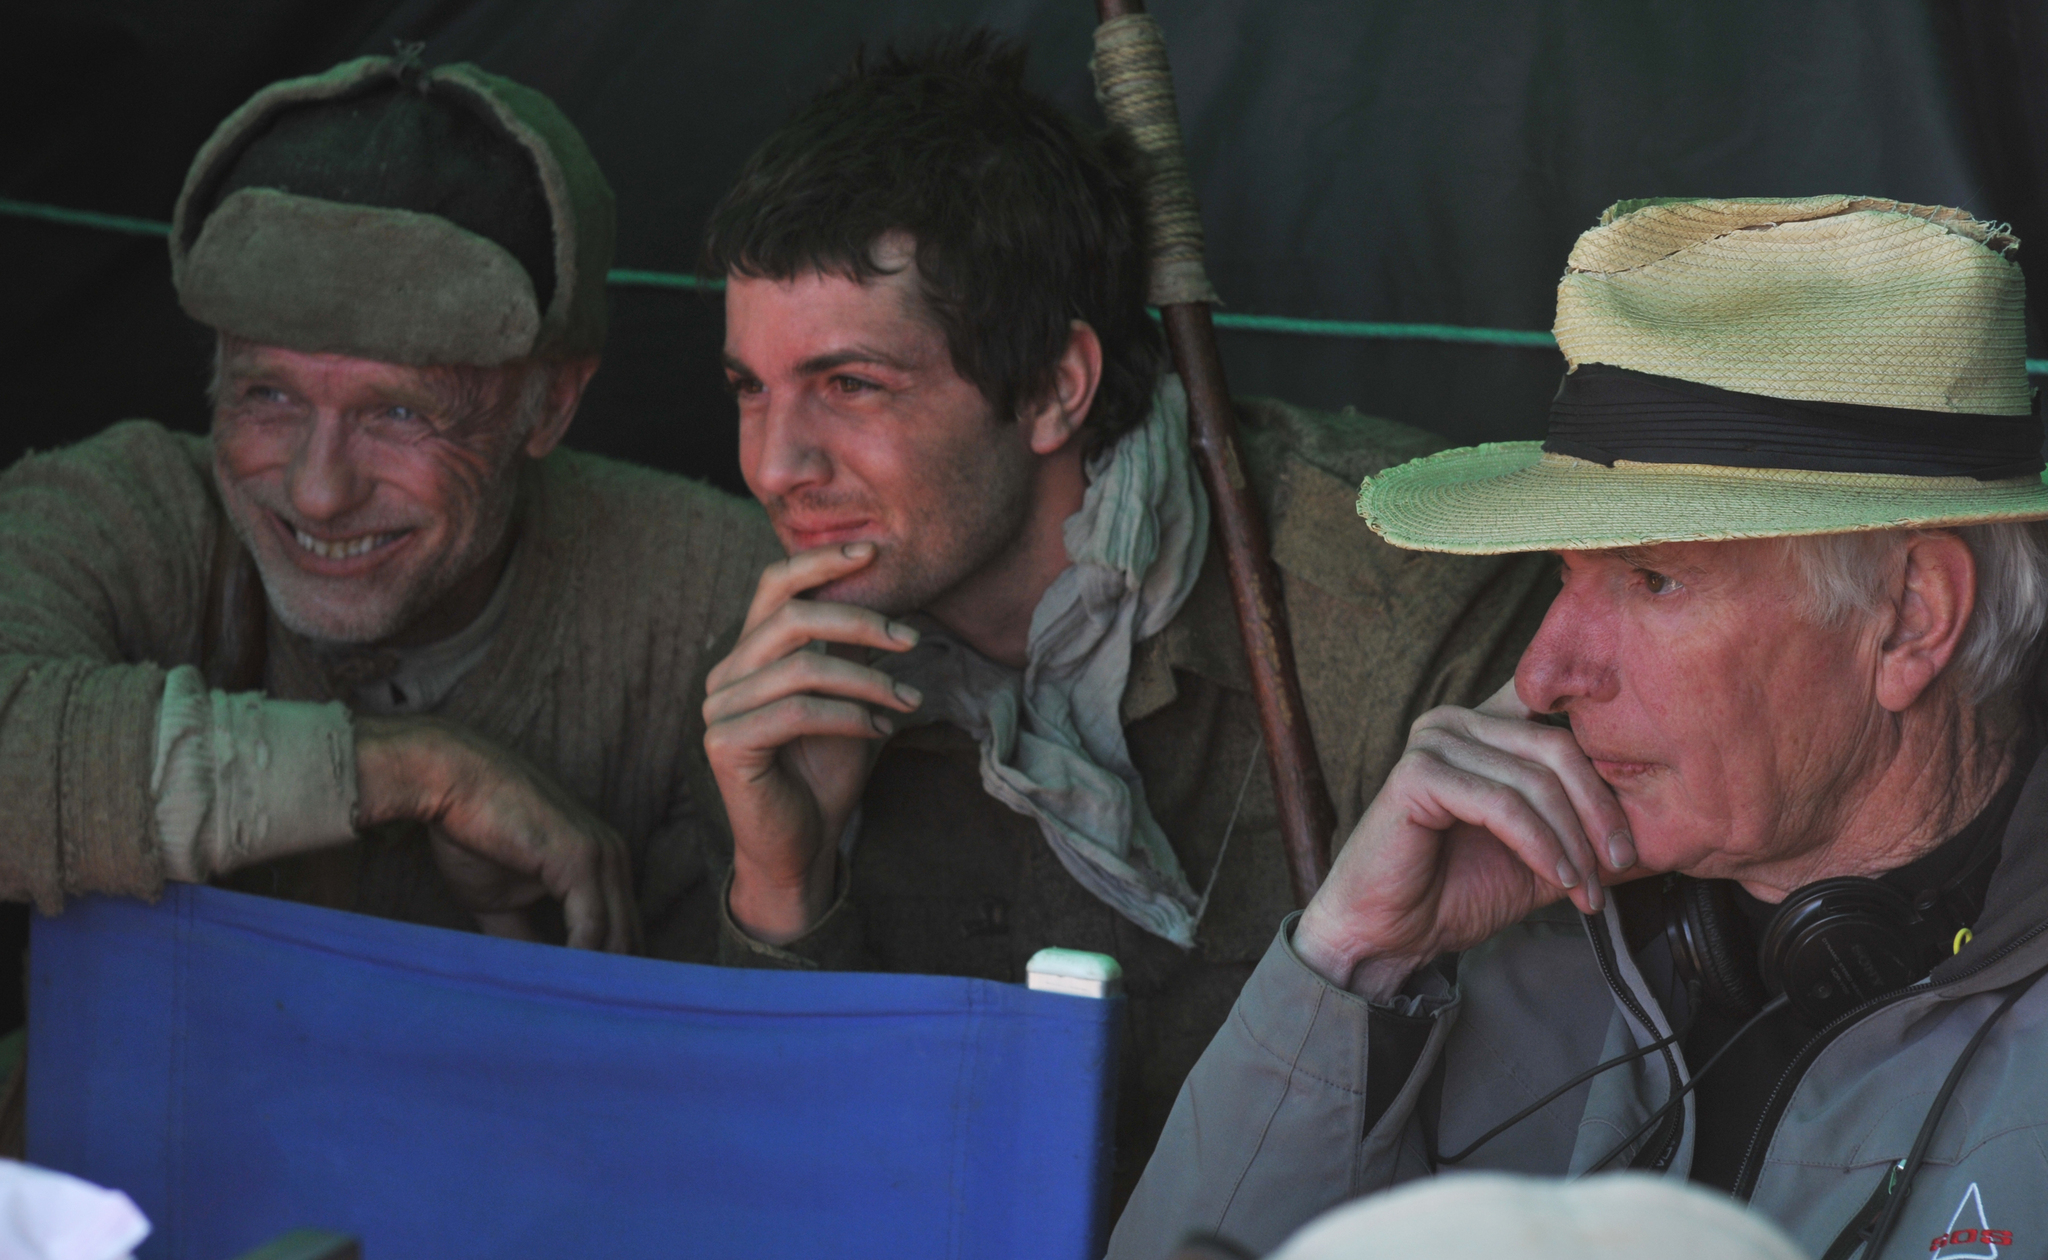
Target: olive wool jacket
column 110, row 557
column 945, row 879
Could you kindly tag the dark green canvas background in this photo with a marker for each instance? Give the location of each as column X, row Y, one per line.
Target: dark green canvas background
column 1356, row 159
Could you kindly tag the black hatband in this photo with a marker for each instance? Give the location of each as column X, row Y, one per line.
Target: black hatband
column 1604, row 413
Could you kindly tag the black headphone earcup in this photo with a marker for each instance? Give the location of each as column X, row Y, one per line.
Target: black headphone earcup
column 1711, row 940
column 1838, row 943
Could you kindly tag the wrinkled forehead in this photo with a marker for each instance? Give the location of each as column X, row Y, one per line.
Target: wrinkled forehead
column 451, row 389
column 1749, row 558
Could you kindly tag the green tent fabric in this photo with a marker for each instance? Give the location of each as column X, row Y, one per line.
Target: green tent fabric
column 1364, row 161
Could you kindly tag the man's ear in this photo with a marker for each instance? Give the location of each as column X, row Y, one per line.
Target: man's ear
column 565, row 394
column 1065, row 410
column 1937, row 593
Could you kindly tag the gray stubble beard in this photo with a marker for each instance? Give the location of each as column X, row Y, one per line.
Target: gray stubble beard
column 429, row 584
column 994, row 529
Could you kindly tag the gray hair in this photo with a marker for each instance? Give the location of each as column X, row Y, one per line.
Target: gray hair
column 1849, row 574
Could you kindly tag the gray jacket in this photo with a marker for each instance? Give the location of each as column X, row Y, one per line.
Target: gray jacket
column 1282, row 1117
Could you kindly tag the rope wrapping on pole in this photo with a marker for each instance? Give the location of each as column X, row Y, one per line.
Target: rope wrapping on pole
column 1134, row 85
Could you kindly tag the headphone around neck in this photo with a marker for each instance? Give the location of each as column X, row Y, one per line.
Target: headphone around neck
column 1830, row 946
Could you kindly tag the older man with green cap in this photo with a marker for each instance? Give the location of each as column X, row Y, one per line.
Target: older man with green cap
column 1785, row 704
column 378, row 643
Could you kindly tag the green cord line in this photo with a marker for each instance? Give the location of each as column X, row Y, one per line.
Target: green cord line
column 665, row 280
column 1385, row 332
column 629, row 278
column 84, row 218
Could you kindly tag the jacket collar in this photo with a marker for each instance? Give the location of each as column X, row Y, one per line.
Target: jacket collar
column 1301, row 499
column 1202, row 639
column 2016, row 908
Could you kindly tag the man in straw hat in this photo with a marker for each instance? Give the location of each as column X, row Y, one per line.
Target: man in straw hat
column 1785, row 693
column 378, row 642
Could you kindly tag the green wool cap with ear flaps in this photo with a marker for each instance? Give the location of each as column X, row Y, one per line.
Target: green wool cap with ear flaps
column 1753, row 369
column 377, row 210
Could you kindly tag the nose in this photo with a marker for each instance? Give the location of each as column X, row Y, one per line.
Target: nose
column 325, row 479
column 1572, row 658
column 779, row 449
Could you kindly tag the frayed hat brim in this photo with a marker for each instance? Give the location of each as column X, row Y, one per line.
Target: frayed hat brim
column 1510, row 497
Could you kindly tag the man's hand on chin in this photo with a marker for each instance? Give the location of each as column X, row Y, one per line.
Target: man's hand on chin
column 504, row 834
column 792, row 734
column 1486, row 817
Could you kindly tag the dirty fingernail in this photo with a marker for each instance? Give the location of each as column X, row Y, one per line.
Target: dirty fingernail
column 902, row 633
column 854, row 551
column 1621, row 850
column 909, row 694
column 1567, row 874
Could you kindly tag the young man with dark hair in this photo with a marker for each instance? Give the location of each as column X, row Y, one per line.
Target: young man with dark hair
column 1031, row 724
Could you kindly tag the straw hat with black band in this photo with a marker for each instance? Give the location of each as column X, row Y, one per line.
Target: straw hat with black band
column 1754, row 369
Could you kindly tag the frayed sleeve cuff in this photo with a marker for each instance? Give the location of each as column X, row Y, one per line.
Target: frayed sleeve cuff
column 834, row 942
column 241, row 779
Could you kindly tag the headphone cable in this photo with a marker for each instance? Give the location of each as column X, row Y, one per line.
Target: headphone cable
column 1891, row 1195
column 1771, row 1008
column 1639, row 1052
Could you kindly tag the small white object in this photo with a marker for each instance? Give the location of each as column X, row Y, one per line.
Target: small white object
column 48, row 1215
column 1074, row 972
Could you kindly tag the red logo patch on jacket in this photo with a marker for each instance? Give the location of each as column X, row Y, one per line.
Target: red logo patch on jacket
column 1970, row 1236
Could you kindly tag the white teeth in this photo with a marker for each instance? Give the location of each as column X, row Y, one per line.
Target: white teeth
column 344, row 548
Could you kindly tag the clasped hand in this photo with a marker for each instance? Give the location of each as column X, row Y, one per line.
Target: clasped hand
column 792, row 734
column 1487, row 816
column 504, row 834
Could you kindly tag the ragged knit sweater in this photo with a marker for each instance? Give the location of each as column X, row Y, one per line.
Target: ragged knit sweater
column 621, row 576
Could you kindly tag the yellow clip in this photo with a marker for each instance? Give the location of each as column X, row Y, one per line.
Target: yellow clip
column 1963, row 937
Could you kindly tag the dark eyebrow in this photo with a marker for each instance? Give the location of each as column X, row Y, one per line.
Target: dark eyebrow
column 852, row 354
column 734, row 365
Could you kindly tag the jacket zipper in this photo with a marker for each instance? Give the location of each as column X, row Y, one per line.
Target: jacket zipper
column 1674, row 1127
column 1781, row 1093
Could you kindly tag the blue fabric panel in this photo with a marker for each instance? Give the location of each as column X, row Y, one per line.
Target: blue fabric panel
column 242, row 1066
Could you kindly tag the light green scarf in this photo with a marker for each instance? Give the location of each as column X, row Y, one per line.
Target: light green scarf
column 1052, row 737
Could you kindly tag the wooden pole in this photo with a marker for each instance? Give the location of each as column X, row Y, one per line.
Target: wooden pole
column 1307, row 818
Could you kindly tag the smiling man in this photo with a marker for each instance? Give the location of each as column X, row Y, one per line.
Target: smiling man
column 379, row 642
column 1786, row 700
column 1031, row 723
